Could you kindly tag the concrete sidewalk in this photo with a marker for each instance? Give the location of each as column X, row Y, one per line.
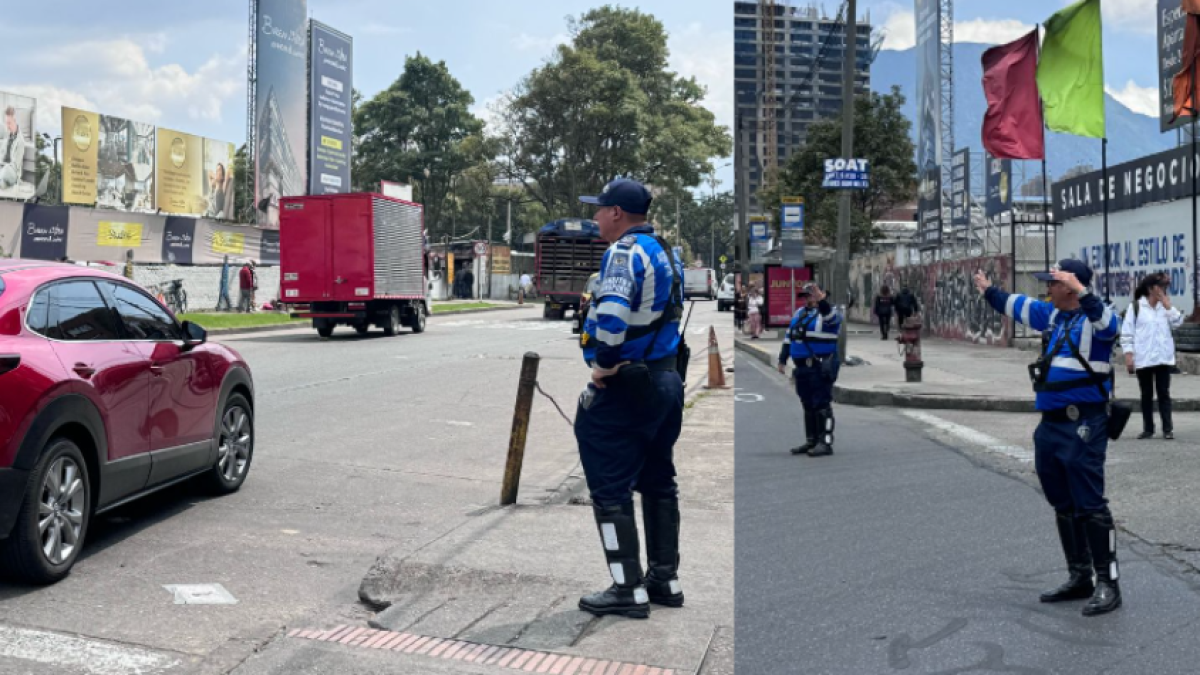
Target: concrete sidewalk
column 956, row 376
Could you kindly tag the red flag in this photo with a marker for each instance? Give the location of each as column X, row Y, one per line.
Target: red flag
column 1012, row 127
column 1184, row 83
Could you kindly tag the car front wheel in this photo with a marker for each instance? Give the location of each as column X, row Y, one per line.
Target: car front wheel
column 54, row 517
column 235, row 446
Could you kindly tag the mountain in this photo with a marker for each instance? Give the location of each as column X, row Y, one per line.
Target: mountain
column 1131, row 135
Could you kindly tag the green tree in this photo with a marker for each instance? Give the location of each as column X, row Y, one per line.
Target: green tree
column 606, row 105
column 881, row 135
column 419, row 130
column 705, row 222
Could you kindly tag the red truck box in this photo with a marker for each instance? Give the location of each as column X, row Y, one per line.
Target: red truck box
column 354, row 259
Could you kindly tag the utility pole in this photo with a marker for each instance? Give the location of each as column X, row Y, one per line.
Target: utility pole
column 841, row 267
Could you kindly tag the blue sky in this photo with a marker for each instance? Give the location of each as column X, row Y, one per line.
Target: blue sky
column 182, row 64
column 1130, row 47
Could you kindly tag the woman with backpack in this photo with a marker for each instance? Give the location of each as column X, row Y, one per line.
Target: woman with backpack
column 1149, row 348
column 884, row 304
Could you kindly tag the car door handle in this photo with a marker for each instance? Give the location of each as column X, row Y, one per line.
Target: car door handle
column 83, row 370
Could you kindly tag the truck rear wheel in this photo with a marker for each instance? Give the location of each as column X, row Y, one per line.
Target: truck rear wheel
column 392, row 326
column 418, row 321
column 324, row 327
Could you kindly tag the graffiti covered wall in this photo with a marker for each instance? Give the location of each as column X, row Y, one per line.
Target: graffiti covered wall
column 951, row 308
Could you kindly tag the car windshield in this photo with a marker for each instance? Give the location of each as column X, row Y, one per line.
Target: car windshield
column 729, row 279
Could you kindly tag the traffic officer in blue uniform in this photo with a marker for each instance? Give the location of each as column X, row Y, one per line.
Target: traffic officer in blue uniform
column 630, row 415
column 1072, row 439
column 811, row 344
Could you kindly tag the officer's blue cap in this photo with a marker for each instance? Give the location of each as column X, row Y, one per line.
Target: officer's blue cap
column 1077, row 267
column 630, row 195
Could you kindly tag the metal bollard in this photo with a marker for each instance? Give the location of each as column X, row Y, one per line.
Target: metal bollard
column 520, row 428
column 910, row 338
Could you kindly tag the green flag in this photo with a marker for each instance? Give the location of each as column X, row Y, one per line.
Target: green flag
column 1070, row 74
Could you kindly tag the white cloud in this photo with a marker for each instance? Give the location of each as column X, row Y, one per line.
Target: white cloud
column 486, row 110
column 900, row 30
column 524, row 42
column 118, row 79
column 1141, row 100
column 1134, row 16
column 704, row 54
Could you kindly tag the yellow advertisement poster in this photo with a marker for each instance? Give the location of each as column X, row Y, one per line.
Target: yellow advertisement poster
column 81, row 145
column 124, row 235
column 233, row 243
column 180, row 163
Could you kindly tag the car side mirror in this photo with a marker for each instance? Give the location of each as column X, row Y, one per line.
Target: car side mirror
column 193, row 334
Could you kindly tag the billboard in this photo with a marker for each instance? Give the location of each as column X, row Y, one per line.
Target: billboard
column 929, row 132
column 330, row 85
column 18, row 147
column 218, row 180
column 781, row 300
column 44, row 232
column 281, row 104
column 11, row 215
column 180, row 160
column 999, row 188
column 81, row 152
column 124, row 164
column 960, row 189
column 1171, row 22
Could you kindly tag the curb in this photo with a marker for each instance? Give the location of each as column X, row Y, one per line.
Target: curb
column 869, row 398
column 304, row 324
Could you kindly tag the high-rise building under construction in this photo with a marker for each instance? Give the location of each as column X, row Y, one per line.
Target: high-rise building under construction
column 790, row 74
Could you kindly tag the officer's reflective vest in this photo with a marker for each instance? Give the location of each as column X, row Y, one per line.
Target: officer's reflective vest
column 813, row 335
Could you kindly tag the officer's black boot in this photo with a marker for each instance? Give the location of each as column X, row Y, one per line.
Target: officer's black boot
column 618, row 534
column 810, row 432
column 661, row 518
column 824, row 446
column 1102, row 538
column 1079, row 560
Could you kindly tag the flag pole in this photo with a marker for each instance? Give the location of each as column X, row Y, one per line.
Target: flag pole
column 1045, row 179
column 1104, row 199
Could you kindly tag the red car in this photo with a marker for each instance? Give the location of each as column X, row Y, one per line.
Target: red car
column 104, row 397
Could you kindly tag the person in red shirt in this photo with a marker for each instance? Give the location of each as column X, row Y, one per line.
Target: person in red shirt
column 246, row 288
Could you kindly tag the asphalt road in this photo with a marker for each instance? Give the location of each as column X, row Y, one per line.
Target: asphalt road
column 365, row 447
column 903, row 552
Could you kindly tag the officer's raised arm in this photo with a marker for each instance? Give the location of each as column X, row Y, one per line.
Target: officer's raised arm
column 1032, row 313
column 1105, row 325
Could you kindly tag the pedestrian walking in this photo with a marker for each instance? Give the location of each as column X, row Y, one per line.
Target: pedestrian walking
column 223, row 303
column 906, row 306
column 1149, row 348
column 754, row 303
column 253, row 286
column 739, row 308
column 811, row 344
column 526, row 286
column 630, row 414
column 1072, row 381
column 245, row 288
column 884, row 304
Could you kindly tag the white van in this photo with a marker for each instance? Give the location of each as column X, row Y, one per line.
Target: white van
column 726, row 294
column 700, row 283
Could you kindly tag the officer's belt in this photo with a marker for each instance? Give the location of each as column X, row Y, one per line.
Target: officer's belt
column 1075, row 412
column 823, row 338
column 665, row 364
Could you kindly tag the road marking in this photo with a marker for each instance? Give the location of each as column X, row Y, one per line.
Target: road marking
column 89, row 656
column 746, row 397
column 514, row 658
column 972, row 436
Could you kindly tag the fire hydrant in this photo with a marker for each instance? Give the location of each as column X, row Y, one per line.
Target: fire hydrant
column 910, row 340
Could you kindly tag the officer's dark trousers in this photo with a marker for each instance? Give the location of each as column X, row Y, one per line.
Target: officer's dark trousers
column 1071, row 467
column 624, row 449
column 815, row 391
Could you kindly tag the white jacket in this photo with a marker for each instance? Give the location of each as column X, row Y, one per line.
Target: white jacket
column 1148, row 334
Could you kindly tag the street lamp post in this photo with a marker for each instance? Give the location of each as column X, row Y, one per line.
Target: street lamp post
column 712, row 235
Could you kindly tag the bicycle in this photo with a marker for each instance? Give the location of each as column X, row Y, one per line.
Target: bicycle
column 174, row 296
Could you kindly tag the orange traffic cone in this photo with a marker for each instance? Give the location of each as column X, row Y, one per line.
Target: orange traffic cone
column 716, row 374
